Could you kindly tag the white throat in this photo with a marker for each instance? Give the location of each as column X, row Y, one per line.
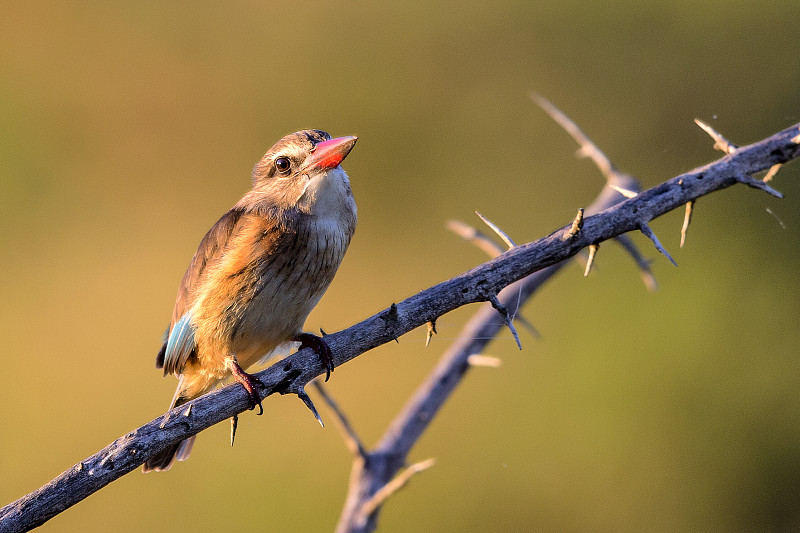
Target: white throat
column 327, row 196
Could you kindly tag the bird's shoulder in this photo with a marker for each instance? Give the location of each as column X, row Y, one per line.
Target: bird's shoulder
column 242, row 231
column 210, row 246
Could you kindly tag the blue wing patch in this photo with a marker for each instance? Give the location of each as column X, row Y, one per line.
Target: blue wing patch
column 180, row 345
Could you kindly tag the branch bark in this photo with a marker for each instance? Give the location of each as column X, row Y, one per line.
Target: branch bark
column 479, row 284
column 372, row 471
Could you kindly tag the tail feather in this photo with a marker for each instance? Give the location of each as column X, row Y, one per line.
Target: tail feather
column 163, row 461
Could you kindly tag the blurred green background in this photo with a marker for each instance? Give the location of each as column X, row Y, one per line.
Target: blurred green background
column 128, row 128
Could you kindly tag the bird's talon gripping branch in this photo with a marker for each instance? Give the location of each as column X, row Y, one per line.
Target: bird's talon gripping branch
column 320, row 347
column 248, row 381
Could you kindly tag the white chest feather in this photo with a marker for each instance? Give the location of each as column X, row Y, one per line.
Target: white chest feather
column 292, row 285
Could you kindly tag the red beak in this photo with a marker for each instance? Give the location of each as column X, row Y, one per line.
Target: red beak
column 328, row 154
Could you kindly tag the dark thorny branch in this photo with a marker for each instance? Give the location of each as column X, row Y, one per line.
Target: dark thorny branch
column 374, row 474
column 618, row 209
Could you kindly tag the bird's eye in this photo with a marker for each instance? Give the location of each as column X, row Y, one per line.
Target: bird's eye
column 283, row 164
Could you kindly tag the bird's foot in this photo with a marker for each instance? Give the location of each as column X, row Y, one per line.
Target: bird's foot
column 320, row 347
column 248, row 381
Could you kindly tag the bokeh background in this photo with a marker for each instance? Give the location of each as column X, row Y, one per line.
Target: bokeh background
column 128, row 128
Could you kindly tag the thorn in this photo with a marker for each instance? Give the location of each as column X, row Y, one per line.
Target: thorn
column 627, row 193
column 652, row 236
column 382, row 494
column 777, row 218
column 528, row 325
column 758, row 184
column 390, row 314
column 468, row 233
column 771, row 172
column 322, row 332
column 589, row 262
column 390, row 318
column 496, row 229
column 465, row 231
column 504, row 313
column 350, row 437
column 687, row 219
column 234, row 425
column 720, row 143
column 649, row 280
column 575, row 228
column 484, row 360
column 188, row 410
column 301, row 393
column 582, row 257
column 587, row 147
column 796, row 140
column 431, row 332
column 643, row 263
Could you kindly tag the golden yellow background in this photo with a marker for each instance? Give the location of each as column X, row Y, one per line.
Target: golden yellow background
column 128, row 128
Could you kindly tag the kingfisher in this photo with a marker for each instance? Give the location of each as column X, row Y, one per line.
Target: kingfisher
column 259, row 271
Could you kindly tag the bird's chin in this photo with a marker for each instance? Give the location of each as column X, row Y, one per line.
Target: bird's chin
column 326, row 192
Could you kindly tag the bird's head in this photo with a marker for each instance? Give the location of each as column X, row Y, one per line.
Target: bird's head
column 302, row 170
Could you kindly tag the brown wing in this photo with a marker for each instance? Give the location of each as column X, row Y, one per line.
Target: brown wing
column 210, row 247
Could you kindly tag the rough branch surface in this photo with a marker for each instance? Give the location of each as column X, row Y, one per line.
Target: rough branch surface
column 479, row 284
column 373, row 471
column 372, row 478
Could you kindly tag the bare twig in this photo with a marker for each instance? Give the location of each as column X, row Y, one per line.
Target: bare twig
column 587, row 147
column 493, row 250
column 350, row 436
column 393, row 486
column 477, row 285
column 411, row 422
column 468, row 233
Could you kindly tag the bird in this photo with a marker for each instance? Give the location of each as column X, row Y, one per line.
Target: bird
column 258, row 273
